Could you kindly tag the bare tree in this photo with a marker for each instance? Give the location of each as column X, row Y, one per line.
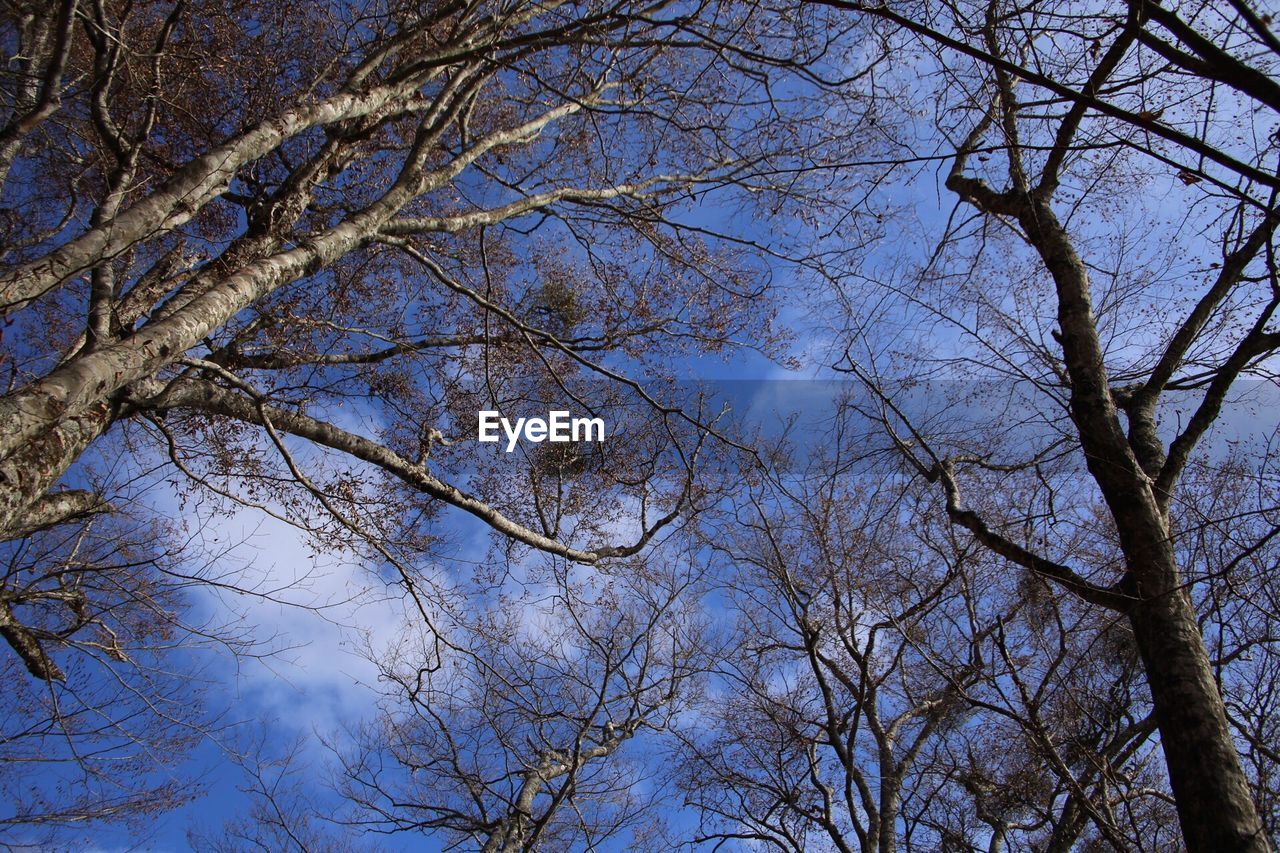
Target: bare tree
column 282, row 814
column 1048, row 114
column 294, row 276
column 521, row 725
column 1228, row 524
column 829, row 699
column 377, row 231
column 286, row 255
column 893, row 686
column 103, row 734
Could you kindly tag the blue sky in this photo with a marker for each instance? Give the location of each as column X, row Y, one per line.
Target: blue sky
column 323, row 682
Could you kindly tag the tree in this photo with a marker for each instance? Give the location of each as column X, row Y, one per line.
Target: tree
column 1054, row 109
column 99, row 736
column 291, row 277
column 892, row 686
column 371, row 230
column 281, row 815
column 516, row 724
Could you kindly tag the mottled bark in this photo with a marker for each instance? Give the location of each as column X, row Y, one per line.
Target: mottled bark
column 27, row 477
column 1215, row 806
column 50, row 422
column 28, row 648
column 85, row 381
column 58, row 508
column 44, row 46
column 185, row 193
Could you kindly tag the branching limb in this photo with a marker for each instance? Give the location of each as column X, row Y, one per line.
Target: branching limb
column 203, row 395
column 57, row 508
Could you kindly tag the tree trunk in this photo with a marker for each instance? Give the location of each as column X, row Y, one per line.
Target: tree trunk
column 890, row 802
column 1215, row 807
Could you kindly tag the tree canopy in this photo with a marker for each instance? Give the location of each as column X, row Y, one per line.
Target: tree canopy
column 1001, row 575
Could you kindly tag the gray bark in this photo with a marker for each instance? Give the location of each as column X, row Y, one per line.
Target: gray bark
column 513, row 831
column 58, row 508
column 82, row 385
